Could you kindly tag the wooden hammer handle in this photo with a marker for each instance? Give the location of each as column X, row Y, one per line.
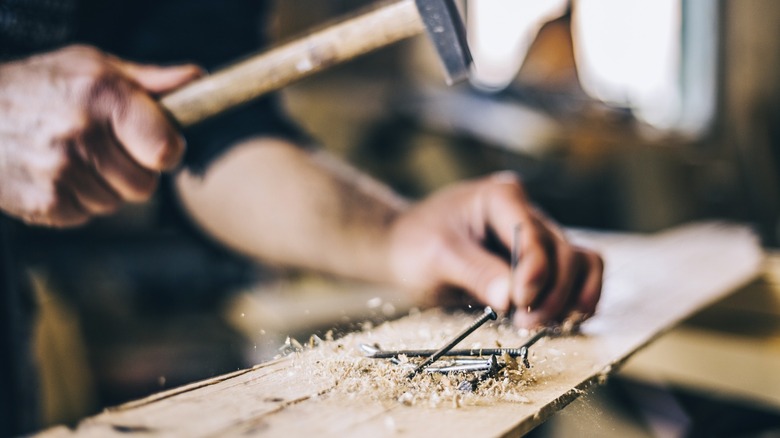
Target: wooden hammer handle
column 268, row 71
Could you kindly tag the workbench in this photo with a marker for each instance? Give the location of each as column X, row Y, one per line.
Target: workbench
column 328, row 388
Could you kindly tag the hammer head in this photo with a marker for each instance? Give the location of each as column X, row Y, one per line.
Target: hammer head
column 444, row 26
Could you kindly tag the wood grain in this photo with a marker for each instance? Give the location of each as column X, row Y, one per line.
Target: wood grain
column 652, row 282
column 239, row 83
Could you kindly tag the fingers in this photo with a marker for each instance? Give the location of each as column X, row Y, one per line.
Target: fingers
column 555, row 299
column 485, row 275
column 121, row 174
column 142, row 127
column 147, row 135
column 535, row 264
column 121, row 94
column 507, row 210
column 91, row 191
column 592, row 283
column 98, row 176
column 69, row 212
column 581, row 297
column 553, row 277
column 157, row 79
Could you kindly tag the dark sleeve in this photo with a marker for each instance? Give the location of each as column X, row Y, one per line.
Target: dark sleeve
column 19, row 401
column 210, row 33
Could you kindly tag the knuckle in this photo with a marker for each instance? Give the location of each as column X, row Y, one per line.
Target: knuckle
column 72, row 130
column 168, row 153
column 508, row 180
column 104, row 86
column 91, row 67
column 84, row 50
column 508, row 192
column 505, row 177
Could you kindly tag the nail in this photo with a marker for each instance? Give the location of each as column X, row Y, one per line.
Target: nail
column 488, row 315
column 515, row 256
column 375, row 353
column 514, row 259
column 471, row 385
column 483, row 365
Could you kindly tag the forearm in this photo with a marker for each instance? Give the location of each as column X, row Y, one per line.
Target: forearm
column 279, row 204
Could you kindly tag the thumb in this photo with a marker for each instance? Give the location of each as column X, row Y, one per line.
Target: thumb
column 157, row 79
column 484, row 275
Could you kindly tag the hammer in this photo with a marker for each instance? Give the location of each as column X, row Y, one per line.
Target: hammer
column 383, row 24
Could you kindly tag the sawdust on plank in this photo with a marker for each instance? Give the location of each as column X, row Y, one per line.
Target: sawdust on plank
column 358, row 377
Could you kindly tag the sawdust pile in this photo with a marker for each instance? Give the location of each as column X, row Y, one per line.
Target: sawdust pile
column 359, row 377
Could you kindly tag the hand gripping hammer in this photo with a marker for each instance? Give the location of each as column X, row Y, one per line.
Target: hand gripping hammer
column 382, row 24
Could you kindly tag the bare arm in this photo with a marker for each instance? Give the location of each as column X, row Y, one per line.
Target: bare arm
column 280, row 204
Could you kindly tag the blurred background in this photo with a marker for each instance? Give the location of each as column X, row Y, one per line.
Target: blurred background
column 619, row 115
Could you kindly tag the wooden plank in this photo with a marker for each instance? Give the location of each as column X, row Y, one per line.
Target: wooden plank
column 652, row 282
column 730, row 349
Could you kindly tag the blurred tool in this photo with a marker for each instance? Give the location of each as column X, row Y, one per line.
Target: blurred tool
column 384, row 24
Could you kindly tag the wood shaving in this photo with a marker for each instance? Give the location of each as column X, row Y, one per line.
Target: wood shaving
column 357, row 376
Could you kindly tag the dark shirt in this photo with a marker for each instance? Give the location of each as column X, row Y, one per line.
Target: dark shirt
column 210, row 33
column 18, row 380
